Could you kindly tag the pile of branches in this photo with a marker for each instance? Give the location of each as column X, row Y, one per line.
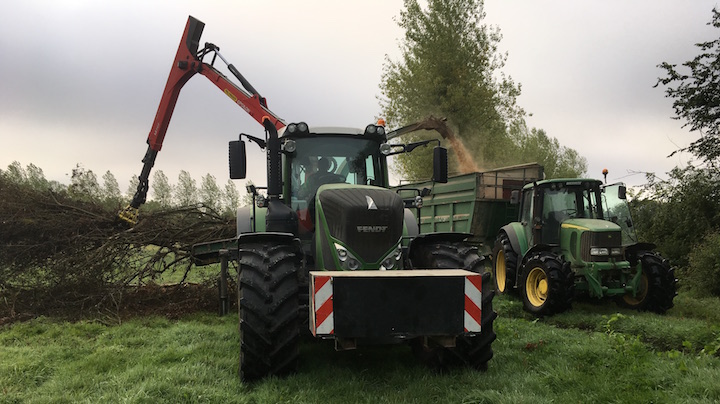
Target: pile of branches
column 60, row 251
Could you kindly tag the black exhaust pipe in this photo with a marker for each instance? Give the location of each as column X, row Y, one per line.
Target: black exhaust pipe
column 280, row 217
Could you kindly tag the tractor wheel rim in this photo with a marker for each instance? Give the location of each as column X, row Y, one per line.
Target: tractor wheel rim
column 537, row 287
column 500, row 271
column 543, row 287
column 642, row 293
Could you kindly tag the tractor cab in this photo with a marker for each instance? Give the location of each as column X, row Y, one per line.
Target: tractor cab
column 546, row 205
column 328, row 156
column 331, row 192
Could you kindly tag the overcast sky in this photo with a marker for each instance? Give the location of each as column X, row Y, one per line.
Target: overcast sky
column 80, row 80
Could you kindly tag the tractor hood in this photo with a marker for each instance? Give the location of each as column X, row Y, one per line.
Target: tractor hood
column 595, row 225
column 367, row 221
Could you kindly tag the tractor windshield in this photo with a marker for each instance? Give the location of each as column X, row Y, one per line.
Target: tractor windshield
column 567, row 201
column 616, row 209
column 330, row 159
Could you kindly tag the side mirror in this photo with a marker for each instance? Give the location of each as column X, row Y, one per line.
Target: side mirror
column 440, row 164
column 514, row 197
column 238, row 160
column 622, row 192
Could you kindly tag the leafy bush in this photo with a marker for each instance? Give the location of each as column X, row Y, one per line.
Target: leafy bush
column 703, row 274
column 675, row 213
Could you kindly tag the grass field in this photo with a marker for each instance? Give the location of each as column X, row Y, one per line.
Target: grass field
column 594, row 353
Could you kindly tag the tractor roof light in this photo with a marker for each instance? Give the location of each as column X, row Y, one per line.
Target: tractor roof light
column 375, row 130
column 297, row 128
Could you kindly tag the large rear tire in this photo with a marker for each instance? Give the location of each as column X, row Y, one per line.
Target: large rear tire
column 657, row 285
column 547, row 284
column 474, row 351
column 268, row 310
column 504, row 264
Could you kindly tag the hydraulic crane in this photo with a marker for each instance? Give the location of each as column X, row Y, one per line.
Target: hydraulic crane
column 188, row 62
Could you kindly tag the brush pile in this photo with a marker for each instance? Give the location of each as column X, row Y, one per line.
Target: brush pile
column 56, row 250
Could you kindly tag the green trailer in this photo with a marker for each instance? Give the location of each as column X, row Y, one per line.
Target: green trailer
column 478, row 203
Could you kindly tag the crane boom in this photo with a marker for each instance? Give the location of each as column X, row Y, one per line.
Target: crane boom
column 188, row 62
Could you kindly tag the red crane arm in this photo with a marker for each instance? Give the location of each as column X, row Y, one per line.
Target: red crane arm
column 253, row 104
column 188, row 62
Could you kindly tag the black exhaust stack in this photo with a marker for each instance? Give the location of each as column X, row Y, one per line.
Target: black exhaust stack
column 280, row 217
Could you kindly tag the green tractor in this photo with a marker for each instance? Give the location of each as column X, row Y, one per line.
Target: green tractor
column 328, row 247
column 576, row 237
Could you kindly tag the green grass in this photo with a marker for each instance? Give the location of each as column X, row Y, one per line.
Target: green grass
column 594, row 353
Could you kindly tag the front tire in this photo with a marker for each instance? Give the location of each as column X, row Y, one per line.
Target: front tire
column 504, row 264
column 473, row 351
column 268, row 310
column 657, row 285
column 547, row 284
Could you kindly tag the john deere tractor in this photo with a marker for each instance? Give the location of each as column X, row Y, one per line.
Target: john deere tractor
column 576, row 237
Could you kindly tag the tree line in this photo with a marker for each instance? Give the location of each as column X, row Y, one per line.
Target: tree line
column 85, row 185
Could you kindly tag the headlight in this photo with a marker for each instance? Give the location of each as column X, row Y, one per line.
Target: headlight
column 389, row 263
column 342, row 253
column 391, row 260
column 289, row 146
column 616, row 251
column 385, row 149
column 602, row 251
column 347, row 260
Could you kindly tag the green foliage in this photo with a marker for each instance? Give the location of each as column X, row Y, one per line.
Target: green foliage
column 231, row 198
column 451, row 67
column 536, row 146
column 210, row 194
column 186, row 190
column 162, row 191
column 31, row 176
column 110, row 190
column 84, row 184
column 36, row 177
column 695, row 91
column 132, row 187
column 676, row 213
column 703, row 273
column 15, row 173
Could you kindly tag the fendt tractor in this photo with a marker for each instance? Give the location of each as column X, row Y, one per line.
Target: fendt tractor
column 576, row 237
column 328, row 245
